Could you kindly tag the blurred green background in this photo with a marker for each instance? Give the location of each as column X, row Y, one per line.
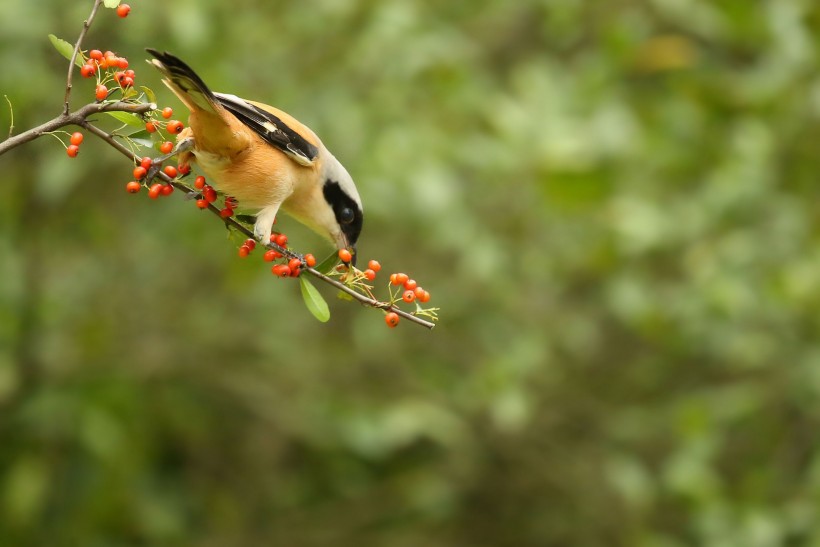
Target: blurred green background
column 613, row 203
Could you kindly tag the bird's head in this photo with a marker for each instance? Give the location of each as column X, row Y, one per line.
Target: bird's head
column 335, row 209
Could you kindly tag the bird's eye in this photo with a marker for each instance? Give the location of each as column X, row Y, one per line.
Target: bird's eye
column 346, row 215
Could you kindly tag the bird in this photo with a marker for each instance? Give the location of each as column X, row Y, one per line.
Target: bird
column 263, row 157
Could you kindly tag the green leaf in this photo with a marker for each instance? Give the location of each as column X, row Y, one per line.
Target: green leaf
column 111, row 3
column 149, row 94
column 126, row 118
column 314, row 301
column 327, row 264
column 65, row 49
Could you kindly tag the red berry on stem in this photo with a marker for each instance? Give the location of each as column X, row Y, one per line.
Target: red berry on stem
column 250, row 243
column 392, row 319
column 294, row 264
column 310, row 260
column 101, row 92
column 175, row 127
column 87, row 71
column 166, row 147
column 244, row 251
column 184, row 168
column 199, row 182
column 123, row 10
column 140, row 172
column 398, row 278
column 171, row 171
column 127, row 81
column 281, row 240
column 408, row 296
column 419, row 292
column 209, row 193
column 76, row 138
column 374, row 265
column 167, row 189
column 122, row 62
column 72, row 150
column 410, row 284
column 167, row 112
column 226, row 212
column 282, row 270
column 270, row 255
column 202, row 204
column 154, row 190
column 369, row 274
column 345, row 256
column 133, row 187
column 146, row 163
column 151, row 127
column 95, row 54
column 424, row 297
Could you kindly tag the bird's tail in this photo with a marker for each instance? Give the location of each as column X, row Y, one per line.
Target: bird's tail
column 184, row 82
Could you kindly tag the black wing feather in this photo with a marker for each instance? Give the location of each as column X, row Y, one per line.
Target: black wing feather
column 280, row 135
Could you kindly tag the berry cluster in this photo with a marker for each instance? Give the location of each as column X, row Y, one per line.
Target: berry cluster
column 75, row 140
column 412, row 291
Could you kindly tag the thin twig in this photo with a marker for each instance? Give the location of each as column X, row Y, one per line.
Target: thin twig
column 74, row 118
column 11, row 114
column 241, row 228
column 83, row 32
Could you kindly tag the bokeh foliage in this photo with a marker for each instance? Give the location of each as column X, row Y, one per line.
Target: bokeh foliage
column 613, row 203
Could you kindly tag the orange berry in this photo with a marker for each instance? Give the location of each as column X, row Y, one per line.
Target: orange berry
column 398, row 278
column 282, row 270
column 231, row 202
column 310, row 260
column 154, row 190
column 101, row 92
column 184, row 168
column 345, row 256
column 87, row 71
column 127, row 81
column 166, row 147
column 133, row 187
column 244, row 251
column 123, row 10
column 202, row 204
column 424, row 297
column 146, row 163
column 374, row 265
column 72, row 150
column 151, row 127
column 175, row 127
column 369, row 274
column 251, row 243
column 76, row 138
column 119, row 76
column 280, row 239
column 270, row 255
column 410, row 284
column 171, row 171
column 167, row 112
column 419, row 291
column 392, row 319
column 226, row 212
column 167, row 189
column 294, row 264
column 140, row 172
column 199, row 182
column 209, row 193
column 123, row 64
column 95, row 54
column 408, row 296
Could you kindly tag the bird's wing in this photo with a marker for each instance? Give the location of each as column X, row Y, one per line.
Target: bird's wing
column 271, row 128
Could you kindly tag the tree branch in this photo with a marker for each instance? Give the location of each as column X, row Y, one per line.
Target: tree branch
column 83, row 32
column 74, row 118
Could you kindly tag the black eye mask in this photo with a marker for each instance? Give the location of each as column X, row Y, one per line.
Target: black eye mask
column 346, row 210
